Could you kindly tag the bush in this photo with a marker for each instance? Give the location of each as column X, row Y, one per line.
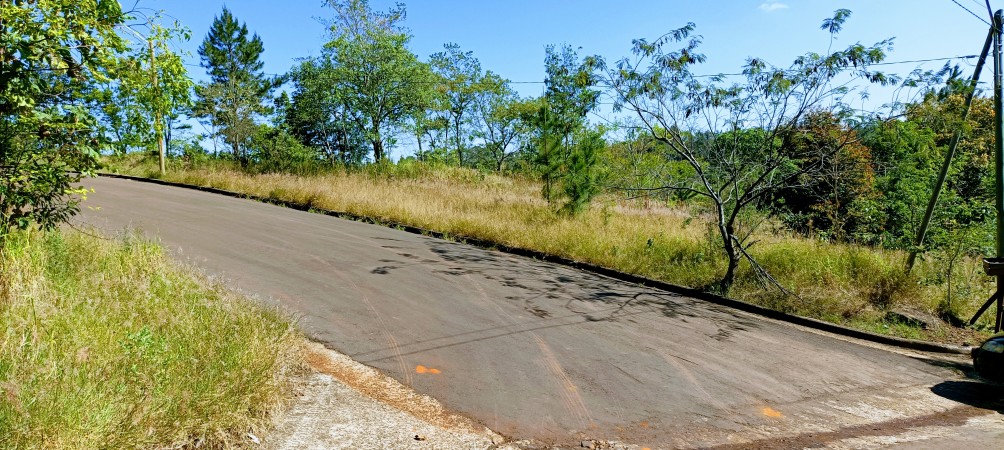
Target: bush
column 105, row 344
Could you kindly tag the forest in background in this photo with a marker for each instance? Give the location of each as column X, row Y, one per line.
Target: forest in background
column 773, row 147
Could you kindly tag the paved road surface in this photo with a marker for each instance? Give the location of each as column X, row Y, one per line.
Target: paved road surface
column 539, row 351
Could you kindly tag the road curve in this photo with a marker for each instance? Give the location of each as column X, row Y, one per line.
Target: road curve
column 535, row 350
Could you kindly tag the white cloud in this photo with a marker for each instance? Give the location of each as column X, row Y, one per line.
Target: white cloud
column 772, row 6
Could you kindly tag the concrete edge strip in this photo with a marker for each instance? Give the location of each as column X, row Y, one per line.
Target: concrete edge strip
column 912, row 344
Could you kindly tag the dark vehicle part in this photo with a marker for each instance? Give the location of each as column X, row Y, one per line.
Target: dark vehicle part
column 988, row 359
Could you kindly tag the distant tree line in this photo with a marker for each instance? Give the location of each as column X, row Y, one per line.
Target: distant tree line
column 775, row 144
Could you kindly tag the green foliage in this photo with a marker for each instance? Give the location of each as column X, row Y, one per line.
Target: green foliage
column 500, row 122
column 369, row 68
column 235, row 97
column 739, row 159
column 51, row 54
column 583, row 177
column 907, row 156
column 823, row 199
column 566, row 150
column 460, row 81
column 274, row 150
column 134, row 111
column 318, row 117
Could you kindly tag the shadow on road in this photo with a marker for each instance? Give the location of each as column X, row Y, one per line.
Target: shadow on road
column 555, row 296
column 973, row 393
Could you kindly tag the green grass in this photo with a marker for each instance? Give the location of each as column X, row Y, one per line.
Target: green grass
column 106, row 344
column 842, row 283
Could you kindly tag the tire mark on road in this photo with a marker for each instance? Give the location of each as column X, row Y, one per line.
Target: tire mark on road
column 385, row 330
column 569, row 391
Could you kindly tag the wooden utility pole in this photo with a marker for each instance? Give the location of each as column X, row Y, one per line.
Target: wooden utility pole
column 158, row 118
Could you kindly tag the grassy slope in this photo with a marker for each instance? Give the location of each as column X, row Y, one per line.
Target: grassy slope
column 106, row 344
column 846, row 284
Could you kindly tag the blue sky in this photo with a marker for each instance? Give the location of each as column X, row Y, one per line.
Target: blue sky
column 509, row 36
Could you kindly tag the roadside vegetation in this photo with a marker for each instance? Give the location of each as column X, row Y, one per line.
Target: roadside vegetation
column 107, row 344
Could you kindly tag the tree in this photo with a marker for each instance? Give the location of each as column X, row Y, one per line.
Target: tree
column 137, row 112
column 433, row 130
column 319, row 118
column 51, row 52
column 822, row 201
column 235, row 97
column 565, row 148
column 735, row 138
column 499, row 119
column 462, row 80
column 907, row 154
column 373, row 72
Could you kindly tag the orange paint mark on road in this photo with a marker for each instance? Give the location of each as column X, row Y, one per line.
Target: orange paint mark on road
column 423, row 369
column 771, row 412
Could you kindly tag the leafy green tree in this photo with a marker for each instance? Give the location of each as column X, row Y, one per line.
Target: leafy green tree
column 272, row 149
column 51, row 53
column 498, row 119
column 431, row 132
column 237, row 92
column 372, row 71
column 321, row 119
column 136, row 112
column 462, row 80
column 822, row 200
column 907, row 156
column 733, row 136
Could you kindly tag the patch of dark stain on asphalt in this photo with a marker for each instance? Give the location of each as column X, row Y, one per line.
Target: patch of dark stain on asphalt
column 953, row 417
column 454, row 271
column 553, row 283
column 536, row 310
column 722, row 335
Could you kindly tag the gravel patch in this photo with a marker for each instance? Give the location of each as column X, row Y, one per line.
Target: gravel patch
column 342, row 404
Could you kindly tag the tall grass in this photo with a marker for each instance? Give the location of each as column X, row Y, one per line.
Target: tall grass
column 106, row 344
column 842, row 283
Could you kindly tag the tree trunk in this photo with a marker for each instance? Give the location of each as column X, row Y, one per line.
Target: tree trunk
column 378, row 155
column 377, row 141
column 732, row 253
column 460, row 146
column 418, row 138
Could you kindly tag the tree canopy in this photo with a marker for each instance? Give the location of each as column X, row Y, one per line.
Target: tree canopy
column 51, row 54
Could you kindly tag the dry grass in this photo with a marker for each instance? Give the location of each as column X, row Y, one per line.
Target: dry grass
column 845, row 284
column 106, row 344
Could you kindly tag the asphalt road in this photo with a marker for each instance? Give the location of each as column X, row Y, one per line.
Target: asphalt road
column 540, row 351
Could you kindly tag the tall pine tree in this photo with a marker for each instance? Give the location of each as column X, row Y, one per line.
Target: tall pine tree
column 237, row 92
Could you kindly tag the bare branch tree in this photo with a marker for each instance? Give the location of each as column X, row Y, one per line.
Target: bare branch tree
column 734, row 139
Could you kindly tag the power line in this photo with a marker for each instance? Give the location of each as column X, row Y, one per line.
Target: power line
column 980, row 5
column 887, row 63
column 981, row 19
